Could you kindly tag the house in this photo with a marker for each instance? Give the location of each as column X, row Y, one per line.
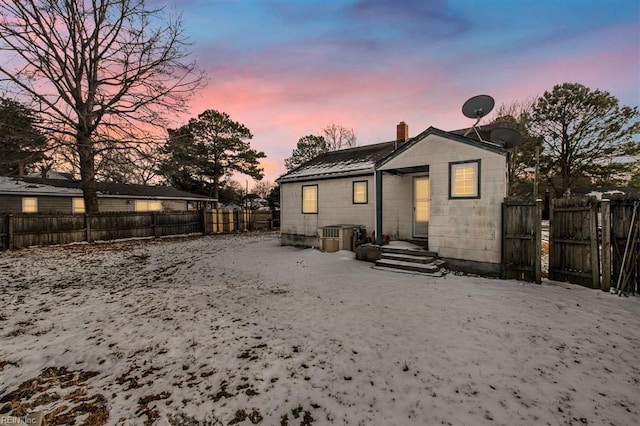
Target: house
column 442, row 190
column 42, row 195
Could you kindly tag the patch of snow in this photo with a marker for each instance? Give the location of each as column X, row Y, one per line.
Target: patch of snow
column 234, row 328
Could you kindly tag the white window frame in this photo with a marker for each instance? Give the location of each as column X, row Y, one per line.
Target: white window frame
column 29, row 205
column 309, row 203
column 472, row 183
column 77, row 205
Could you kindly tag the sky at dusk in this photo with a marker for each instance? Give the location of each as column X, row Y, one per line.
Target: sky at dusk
column 287, row 69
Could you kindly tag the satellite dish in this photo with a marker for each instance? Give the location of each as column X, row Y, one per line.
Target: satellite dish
column 506, row 137
column 478, row 106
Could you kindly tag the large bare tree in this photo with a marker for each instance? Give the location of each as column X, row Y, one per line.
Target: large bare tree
column 339, row 137
column 98, row 70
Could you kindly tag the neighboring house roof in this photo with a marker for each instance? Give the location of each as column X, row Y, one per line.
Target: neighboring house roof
column 364, row 159
column 62, row 187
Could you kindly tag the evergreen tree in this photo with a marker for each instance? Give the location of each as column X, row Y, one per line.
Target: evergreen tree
column 307, row 148
column 21, row 142
column 209, row 149
column 585, row 134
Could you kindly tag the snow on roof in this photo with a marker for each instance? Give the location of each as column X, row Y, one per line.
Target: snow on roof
column 10, row 186
column 342, row 162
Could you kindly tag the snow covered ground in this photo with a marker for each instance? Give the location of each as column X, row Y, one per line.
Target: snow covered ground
column 238, row 330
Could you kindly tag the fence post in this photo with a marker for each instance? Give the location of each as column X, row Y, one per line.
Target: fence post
column 154, row 220
column 595, row 250
column 10, row 231
column 606, row 244
column 206, row 228
column 87, row 227
column 538, row 241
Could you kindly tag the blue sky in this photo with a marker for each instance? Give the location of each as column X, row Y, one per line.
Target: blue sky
column 287, row 69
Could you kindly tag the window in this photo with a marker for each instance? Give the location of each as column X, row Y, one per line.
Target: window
column 29, row 205
column 77, row 205
column 148, row 206
column 464, row 179
column 360, row 192
column 310, row 199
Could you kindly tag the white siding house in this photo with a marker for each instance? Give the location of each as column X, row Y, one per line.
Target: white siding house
column 438, row 189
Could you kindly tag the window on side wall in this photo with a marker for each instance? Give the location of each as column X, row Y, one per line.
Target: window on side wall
column 77, row 205
column 29, row 205
column 360, row 192
column 464, row 179
column 309, row 199
column 148, row 206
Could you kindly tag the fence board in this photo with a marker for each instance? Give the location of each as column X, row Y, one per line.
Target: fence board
column 621, row 213
column 521, row 239
column 573, row 241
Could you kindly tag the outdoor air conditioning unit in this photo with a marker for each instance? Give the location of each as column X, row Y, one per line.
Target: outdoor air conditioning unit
column 340, row 237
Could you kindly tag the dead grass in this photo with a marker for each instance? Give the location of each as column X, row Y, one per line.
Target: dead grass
column 61, row 394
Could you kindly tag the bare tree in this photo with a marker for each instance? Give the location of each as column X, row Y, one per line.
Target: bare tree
column 263, row 188
column 100, row 71
column 339, row 137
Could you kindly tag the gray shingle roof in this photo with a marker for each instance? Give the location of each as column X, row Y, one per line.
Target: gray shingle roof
column 360, row 159
column 111, row 189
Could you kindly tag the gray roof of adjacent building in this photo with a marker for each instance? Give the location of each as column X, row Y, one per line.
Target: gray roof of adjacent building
column 70, row 188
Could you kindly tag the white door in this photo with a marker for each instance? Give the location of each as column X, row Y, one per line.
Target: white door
column 421, row 206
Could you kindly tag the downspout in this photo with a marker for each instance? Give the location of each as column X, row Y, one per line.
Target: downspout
column 378, row 213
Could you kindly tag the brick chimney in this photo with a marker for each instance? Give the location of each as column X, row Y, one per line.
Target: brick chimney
column 402, row 132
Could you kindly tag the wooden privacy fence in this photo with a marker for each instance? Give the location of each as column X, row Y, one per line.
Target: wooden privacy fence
column 521, row 240
column 620, row 236
column 573, row 241
column 222, row 221
column 28, row 229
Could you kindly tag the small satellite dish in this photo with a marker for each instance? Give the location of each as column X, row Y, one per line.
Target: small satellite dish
column 506, row 137
column 478, row 106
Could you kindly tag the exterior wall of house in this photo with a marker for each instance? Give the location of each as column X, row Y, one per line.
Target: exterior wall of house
column 115, row 205
column 466, row 229
column 129, row 205
column 335, row 207
column 10, row 203
column 174, row 205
